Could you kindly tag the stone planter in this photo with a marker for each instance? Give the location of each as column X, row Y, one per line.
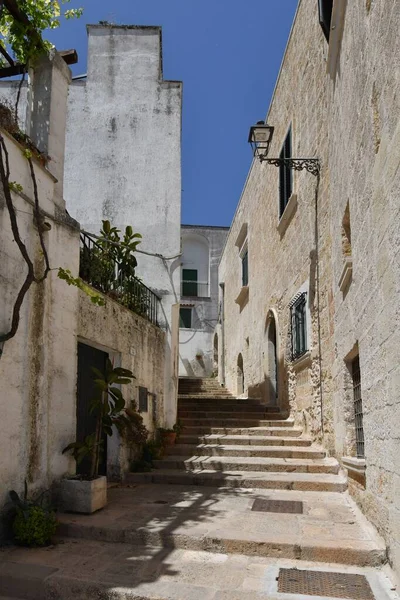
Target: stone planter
column 83, row 496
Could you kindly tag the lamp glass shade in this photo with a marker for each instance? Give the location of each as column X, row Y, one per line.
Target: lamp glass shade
column 260, row 137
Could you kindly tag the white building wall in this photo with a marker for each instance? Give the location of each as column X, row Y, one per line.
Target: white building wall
column 202, row 247
column 123, row 160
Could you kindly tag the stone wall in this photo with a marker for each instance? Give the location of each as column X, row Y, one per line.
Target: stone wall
column 123, row 160
column 341, row 245
column 135, row 344
column 284, row 254
column 364, row 157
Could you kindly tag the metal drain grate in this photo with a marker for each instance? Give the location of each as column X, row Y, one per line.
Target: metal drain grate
column 323, row 583
column 278, row 506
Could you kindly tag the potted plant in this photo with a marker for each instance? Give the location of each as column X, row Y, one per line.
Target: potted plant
column 88, row 493
column 168, row 436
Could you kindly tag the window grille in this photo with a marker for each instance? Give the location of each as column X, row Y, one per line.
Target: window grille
column 358, row 409
column 245, row 268
column 299, row 326
column 285, row 174
column 185, row 318
column 143, row 400
column 325, row 16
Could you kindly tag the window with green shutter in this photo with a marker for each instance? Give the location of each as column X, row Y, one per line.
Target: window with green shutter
column 189, row 282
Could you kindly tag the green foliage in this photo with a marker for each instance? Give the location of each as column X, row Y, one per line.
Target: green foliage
column 36, row 529
column 66, row 275
column 35, row 522
column 15, row 187
column 151, row 451
column 109, row 266
column 24, row 35
column 108, row 404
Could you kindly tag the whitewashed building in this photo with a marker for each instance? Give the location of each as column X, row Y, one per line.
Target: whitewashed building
column 202, row 247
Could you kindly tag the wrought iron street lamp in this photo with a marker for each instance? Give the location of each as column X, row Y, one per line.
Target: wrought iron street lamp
column 260, row 137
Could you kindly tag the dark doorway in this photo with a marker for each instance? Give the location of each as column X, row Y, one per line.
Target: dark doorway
column 88, row 357
column 272, row 372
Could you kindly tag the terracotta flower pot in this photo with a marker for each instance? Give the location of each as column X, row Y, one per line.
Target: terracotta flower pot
column 169, row 438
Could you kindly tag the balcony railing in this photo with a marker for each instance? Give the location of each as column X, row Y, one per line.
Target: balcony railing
column 195, row 289
column 98, row 268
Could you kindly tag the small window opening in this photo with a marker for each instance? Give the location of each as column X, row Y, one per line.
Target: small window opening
column 346, row 233
column 240, row 375
column 285, row 174
column 245, row 268
column 185, row 318
column 325, row 16
column 358, row 409
column 143, row 399
column 299, row 326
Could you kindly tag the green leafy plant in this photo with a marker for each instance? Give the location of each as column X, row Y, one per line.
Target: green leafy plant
column 35, row 522
column 22, row 23
column 151, row 451
column 66, row 275
column 108, row 404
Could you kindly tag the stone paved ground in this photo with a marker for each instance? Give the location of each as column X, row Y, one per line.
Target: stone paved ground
column 163, row 555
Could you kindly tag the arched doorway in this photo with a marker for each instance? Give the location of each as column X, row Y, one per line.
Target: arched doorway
column 272, row 360
column 240, row 376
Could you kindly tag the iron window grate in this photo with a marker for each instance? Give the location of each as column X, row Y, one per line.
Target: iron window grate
column 299, row 326
column 358, row 408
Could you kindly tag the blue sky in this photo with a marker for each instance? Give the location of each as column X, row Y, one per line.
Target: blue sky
column 228, row 54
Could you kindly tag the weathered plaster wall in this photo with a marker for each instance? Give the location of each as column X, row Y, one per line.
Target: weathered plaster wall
column 37, row 383
column 364, row 157
column 198, row 341
column 133, row 343
column 283, row 254
column 123, row 159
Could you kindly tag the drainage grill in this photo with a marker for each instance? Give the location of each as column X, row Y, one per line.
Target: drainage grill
column 323, row 583
column 278, row 506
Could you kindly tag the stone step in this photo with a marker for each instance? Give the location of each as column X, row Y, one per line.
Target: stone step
column 252, row 463
column 245, row 440
column 226, row 408
column 246, row 451
column 317, row 482
column 238, row 422
column 280, row 430
column 218, row 416
column 204, row 569
column 188, row 399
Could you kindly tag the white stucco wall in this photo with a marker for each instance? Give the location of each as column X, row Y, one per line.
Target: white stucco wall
column 123, row 159
column 202, row 247
column 38, row 365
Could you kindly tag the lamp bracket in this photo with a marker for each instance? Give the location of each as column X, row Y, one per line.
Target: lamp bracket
column 312, row 165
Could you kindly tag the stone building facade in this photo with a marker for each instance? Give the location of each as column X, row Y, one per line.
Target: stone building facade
column 202, row 246
column 123, row 161
column 310, row 275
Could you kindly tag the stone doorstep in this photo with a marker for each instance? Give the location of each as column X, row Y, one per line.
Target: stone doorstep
column 245, row 479
column 236, row 423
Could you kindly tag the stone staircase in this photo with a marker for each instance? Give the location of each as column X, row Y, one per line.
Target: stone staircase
column 231, row 442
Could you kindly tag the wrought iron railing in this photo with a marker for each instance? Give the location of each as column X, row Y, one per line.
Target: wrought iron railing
column 98, row 268
column 194, row 289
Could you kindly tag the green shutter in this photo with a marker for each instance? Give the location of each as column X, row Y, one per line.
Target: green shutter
column 189, row 282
